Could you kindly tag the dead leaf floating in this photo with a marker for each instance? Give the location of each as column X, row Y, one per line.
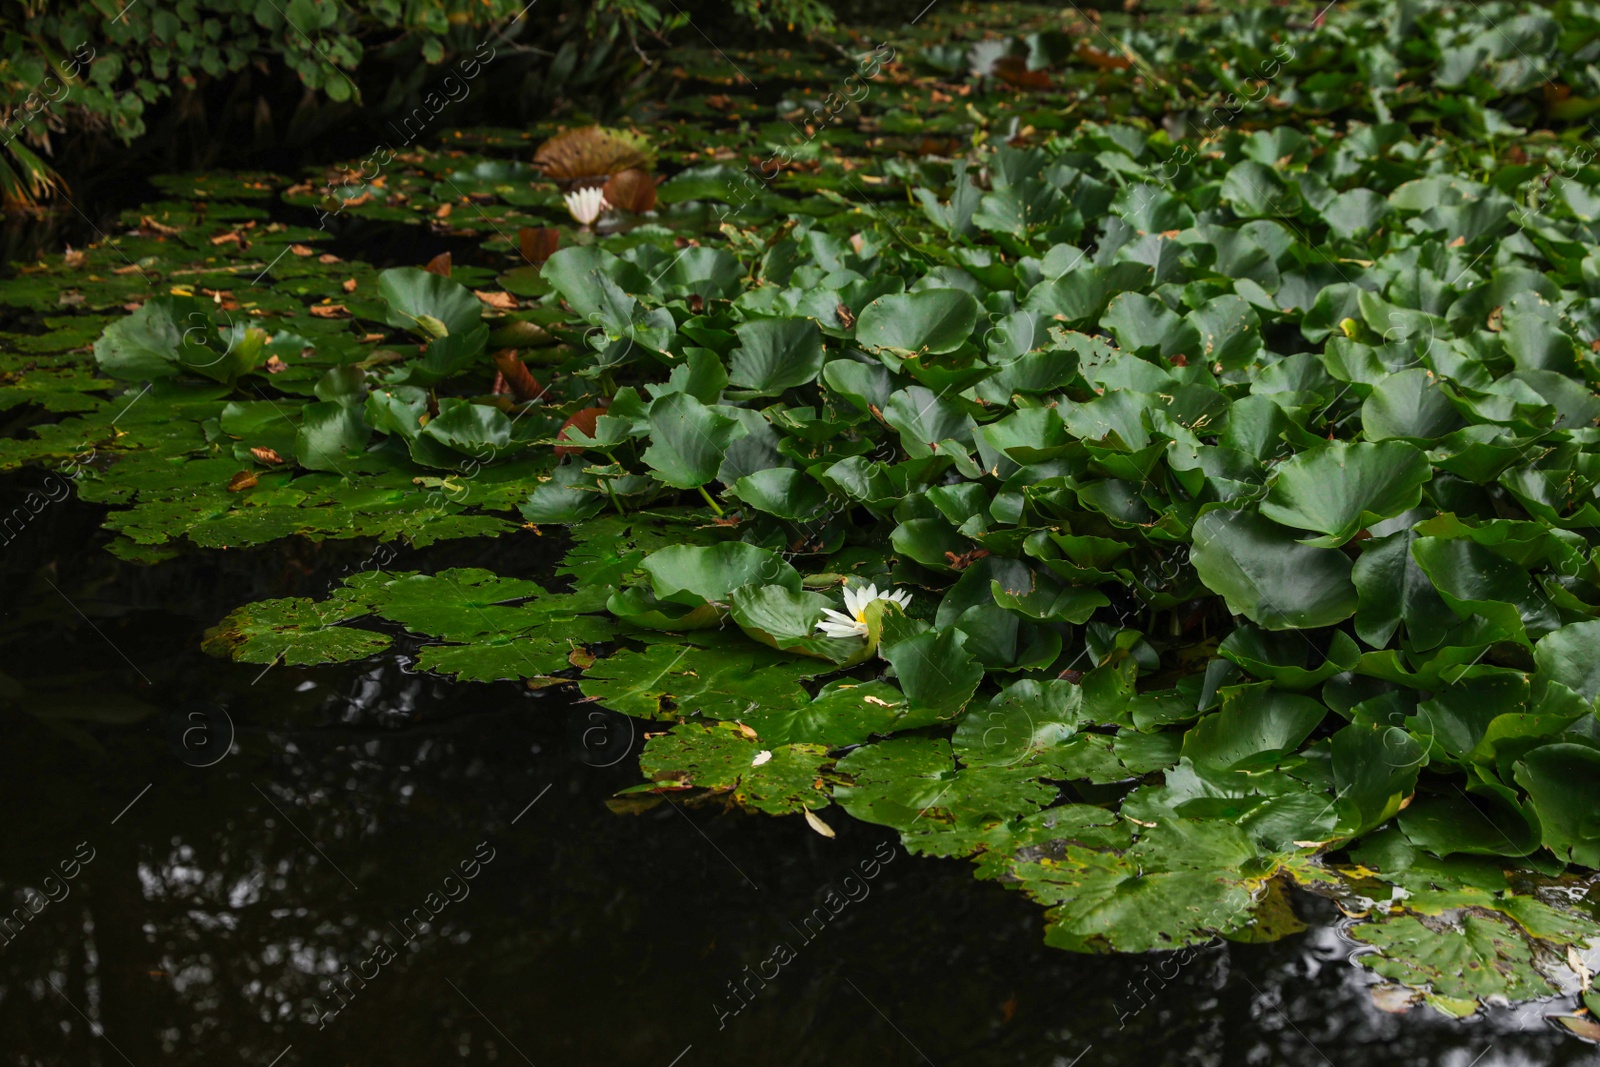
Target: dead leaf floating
column 538, row 243
column 590, row 154
column 582, row 421
column 631, row 190
column 524, row 386
column 818, row 825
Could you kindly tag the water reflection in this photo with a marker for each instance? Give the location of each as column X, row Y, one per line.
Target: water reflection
column 234, row 913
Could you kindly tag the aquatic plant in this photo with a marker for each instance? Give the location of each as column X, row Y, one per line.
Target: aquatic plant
column 1238, row 500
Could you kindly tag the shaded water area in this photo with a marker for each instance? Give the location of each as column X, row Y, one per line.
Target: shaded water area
column 213, row 906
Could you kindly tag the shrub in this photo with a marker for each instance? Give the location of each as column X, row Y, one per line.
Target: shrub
column 100, row 66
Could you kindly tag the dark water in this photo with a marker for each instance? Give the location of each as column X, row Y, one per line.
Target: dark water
column 222, row 901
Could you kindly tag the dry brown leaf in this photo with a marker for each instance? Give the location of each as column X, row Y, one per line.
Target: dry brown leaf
column 348, row 285
column 524, row 386
column 1099, row 58
column 631, row 190
column 440, row 264
column 583, row 421
column 328, row 311
column 267, row 455
column 242, row 481
column 538, row 243
column 327, row 258
column 274, row 365
column 443, row 211
column 590, row 152
column 1013, row 70
column 503, row 301
column 302, row 250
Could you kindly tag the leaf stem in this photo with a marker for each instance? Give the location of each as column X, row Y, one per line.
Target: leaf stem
column 614, row 501
column 714, row 509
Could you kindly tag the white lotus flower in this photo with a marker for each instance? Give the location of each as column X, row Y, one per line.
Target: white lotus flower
column 588, row 204
column 853, row 622
column 761, row 757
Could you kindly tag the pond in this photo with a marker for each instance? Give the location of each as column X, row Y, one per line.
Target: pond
column 1012, row 542
column 221, row 900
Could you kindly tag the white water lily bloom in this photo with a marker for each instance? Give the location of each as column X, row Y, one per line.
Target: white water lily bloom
column 761, row 757
column 853, row 621
column 588, row 204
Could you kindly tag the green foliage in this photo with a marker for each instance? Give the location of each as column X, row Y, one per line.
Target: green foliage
column 1245, row 499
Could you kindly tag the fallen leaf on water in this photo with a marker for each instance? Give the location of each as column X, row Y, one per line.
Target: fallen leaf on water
column 817, row 824
column 1101, row 59
column 348, row 285
column 274, row 365
column 1394, row 999
column 441, row 263
column 242, row 481
column 328, row 311
column 503, row 301
column 1013, row 70
column 302, row 250
column 523, row 384
column 538, row 243
column 267, row 455
column 1581, row 1025
column 584, row 422
column 631, row 190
